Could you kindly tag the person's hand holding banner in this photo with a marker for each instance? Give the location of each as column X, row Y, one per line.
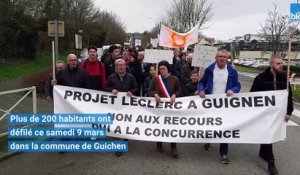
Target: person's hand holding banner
column 157, row 98
column 202, row 94
column 129, row 94
column 114, row 91
column 229, row 93
column 172, row 101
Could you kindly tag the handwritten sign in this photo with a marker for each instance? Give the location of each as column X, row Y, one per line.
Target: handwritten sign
column 204, row 55
column 155, row 56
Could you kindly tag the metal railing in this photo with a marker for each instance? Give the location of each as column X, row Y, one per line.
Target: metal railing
column 34, row 103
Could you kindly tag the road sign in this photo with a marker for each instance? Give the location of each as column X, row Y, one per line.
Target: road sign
column 60, row 28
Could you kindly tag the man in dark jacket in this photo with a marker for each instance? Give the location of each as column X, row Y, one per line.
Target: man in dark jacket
column 273, row 78
column 191, row 88
column 72, row 75
column 186, row 70
column 114, row 53
column 60, row 64
column 139, row 70
column 179, row 64
column 121, row 81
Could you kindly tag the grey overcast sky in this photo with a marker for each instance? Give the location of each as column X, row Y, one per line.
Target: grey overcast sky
column 231, row 17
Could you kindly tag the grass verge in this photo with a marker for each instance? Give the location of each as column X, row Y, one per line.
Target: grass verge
column 296, row 92
column 247, row 69
column 3, row 146
column 14, row 68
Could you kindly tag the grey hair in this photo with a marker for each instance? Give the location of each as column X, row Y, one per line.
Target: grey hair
column 223, row 51
column 120, row 61
column 60, row 61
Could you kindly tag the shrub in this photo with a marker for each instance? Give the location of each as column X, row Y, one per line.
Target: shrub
column 38, row 79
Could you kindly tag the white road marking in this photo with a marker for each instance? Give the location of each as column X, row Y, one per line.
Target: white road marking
column 252, row 75
column 291, row 123
column 296, row 113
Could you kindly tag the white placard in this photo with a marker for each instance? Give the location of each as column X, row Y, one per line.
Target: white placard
column 137, row 42
column 155, row 56
column 203, row 55
column 154, row 42
column 78, row 41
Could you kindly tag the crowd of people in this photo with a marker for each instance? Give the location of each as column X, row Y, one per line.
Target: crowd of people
column 125, row 71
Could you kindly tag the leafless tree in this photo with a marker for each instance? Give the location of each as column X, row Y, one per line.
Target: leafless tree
column 77, row 14
column 113, row 28
column 276, row 31
column 185, row 14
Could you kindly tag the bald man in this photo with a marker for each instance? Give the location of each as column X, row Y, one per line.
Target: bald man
column 72, row 75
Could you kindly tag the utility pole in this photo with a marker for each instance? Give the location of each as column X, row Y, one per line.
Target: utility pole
column 56, row 39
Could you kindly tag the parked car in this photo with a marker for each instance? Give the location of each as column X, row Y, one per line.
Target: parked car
column 260, row 63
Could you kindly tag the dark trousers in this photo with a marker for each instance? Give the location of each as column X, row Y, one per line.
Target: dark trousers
column 173, row 145
column 266, row 152
column 223, row 149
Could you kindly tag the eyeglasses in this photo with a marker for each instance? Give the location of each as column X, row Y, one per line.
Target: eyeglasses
column 72, row 60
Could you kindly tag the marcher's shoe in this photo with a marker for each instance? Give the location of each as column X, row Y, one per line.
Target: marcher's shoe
column 159, row 147
column 272, row 168
column 224, row 159
column 118, row 154
column 207, row 146
column 174, row 153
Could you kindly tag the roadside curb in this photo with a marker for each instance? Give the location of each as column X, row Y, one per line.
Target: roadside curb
column 5, row 156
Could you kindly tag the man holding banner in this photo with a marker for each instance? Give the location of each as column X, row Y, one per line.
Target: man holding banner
column 60, row 65
column 273, row 78
column 219, row 78
column 121, row 81
column 72, row 75
column 167, row 86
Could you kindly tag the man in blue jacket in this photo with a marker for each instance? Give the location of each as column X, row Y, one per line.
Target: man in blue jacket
column 219, row 78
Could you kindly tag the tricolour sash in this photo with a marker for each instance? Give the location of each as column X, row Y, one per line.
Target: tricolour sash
column 162, row 86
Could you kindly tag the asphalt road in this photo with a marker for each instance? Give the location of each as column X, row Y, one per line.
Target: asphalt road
column 142, row 158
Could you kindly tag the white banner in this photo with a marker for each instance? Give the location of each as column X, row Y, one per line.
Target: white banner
column 155, row 56
column 203, row 56
column 244, row 118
